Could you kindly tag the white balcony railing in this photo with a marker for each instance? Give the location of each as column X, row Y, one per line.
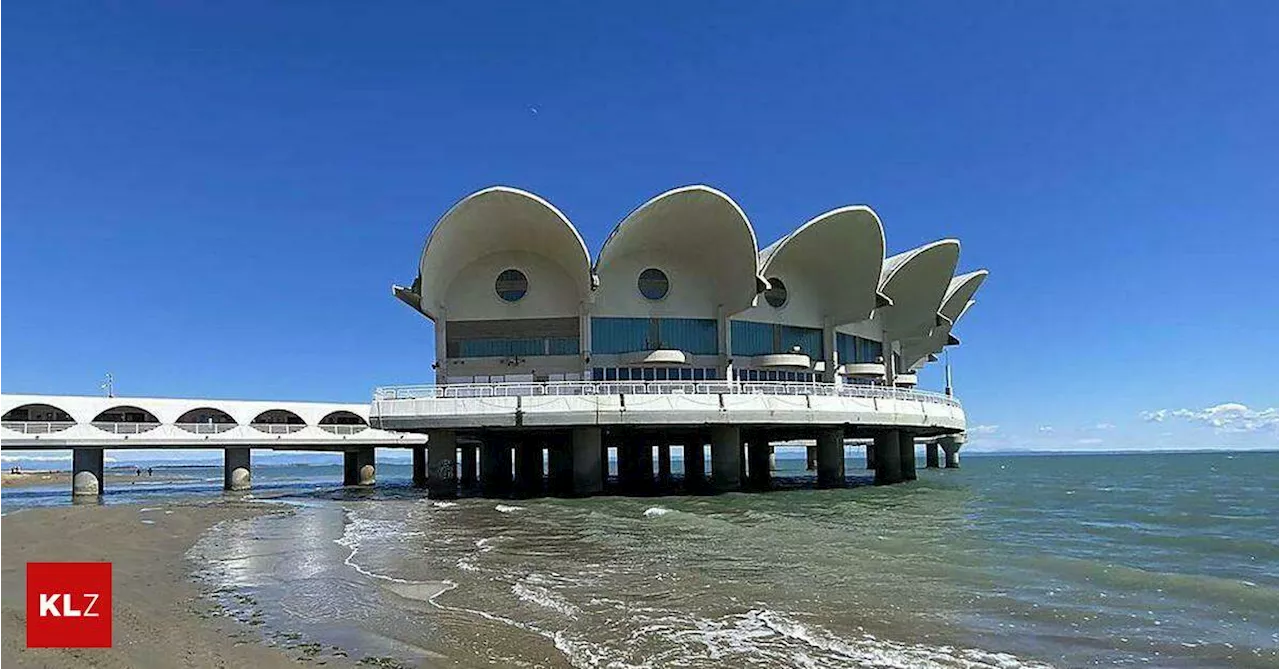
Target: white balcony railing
column 278, row 428
column 573, row 388
column 124, row 428
column 207, row 428
column 37, row 426
column 344, row 429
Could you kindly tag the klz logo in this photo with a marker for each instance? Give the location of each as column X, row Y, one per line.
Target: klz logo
column 68, row 604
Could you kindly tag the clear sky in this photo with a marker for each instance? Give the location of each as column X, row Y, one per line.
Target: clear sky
column 212, row 199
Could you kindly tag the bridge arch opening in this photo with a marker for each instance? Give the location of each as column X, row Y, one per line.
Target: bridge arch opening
column 206, row 420
column 37, row 419
column 343, row 422
column 278, row 421
column 126, row 420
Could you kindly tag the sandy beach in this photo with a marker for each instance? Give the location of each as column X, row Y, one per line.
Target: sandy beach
column 160, row 620
column 28, row 479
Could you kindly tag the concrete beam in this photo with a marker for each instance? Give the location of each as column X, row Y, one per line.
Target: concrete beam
column 560, row 465
column 951, row 446
column 86, row 472
column 235, row 469
column 664, row 463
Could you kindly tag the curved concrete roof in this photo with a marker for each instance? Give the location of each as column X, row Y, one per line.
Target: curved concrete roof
column 495, row 219
column 841, row 252
column 955, row 303
column 702, row 224
column 917, row 281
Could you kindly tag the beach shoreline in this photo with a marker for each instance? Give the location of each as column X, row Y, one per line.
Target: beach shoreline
column 49, row 477
column 160, row 617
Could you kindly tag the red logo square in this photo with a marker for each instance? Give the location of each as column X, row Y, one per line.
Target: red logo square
column 68, row 605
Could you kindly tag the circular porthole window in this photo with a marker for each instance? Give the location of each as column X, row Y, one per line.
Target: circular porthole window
column 653, row 284
column 776, row 296
column 511, row 285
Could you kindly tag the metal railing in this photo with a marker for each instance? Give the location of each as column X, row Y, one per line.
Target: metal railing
column 278, row 428
column 578, row 388
column 36, row 426
column 344, row 429
column 207, row 428
column 124, row 428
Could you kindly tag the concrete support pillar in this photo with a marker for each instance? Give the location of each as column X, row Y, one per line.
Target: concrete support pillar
column 726, row 457
column 871, row 455
column 907, row 456
column 467, row 469
column 758, row 462
column 951, row 446
column 635, row 467
column 529, row 468
column 931, row 455
column 742, row 462
column 358, row 467
column 888, row 458
column 560, row 466
column 604, row 460
column 695, row 464
column 831, row 458
column 419, row 466
column 664, row 463
column 495, row 466
column 235, row 469
column 590, row 461
column 773, row 459
column 811, row 458
column 442, row 470
column 86, row 472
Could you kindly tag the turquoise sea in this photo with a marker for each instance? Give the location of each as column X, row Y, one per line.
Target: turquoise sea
column 1029, row 560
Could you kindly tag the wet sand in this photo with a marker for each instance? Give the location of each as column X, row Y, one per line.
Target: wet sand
column 52, row 477
column 160, row 619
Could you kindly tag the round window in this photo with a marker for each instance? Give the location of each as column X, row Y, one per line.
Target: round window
column 776, row 296
column 511, row 285
column 653, row 284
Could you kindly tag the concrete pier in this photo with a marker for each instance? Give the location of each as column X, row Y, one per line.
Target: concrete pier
column 235, row 469
column 907, row 456
column 830, row 450
column 529, row 468
column 773, row 459
column 888, row 458
column 495, row 466
column 664, row 463
column 931, row 455
column 589, row 460
column 420, row 467
column 951, row 447
column 635, row 467
column 467, row 467
column 86, row 472
column 871, row 455
column 442, row 477
column 726, row 457
column 358, row 467
column 811, row 458
column 695, row 464
column 560, row 465
column 758, row 469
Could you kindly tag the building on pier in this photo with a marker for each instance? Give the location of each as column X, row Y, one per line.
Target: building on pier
column 681, row 331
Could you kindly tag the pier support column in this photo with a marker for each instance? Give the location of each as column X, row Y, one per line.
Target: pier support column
column 560, row 465
column 664, row 463
column 831, row 458
column 442, row 470
column 529, row 468
column 773, row 459
column 495, row 466
column 419, row 466
column 758, row 462
column 86, row 472
column 467, row 468
column 811, row 458
column 726, row 457
column 358, row 467
column 635, row 467
column 695, row 464
column 931, row 455
column 951, row 446
column 888, row 458
column 235, row 469
column 588, row 459
column 871, row 455
column 907, row 456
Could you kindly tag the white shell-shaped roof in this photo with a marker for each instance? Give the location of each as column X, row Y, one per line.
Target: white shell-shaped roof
column 917, row 281
column 702, row 225
column 956, row 301
column 492, row 220
column 841, row 253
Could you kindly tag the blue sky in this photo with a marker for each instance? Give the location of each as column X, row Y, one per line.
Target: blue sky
column 213, row 200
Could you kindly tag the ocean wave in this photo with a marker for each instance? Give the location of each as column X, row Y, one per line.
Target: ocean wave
column 507, row 508
column 656, row 512
column 544, row 597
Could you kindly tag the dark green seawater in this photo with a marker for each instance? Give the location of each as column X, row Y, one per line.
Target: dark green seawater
column 1083, row 560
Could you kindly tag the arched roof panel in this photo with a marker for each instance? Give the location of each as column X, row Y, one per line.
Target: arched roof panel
column 489, row 221
column 960, row 294
column 701, row 225
column 917, row 281
column 841, row 252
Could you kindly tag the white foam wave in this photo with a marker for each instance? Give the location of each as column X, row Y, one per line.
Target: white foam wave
column 507, row 508
column 545, row 598
column 656, row 512
column 444, row 505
